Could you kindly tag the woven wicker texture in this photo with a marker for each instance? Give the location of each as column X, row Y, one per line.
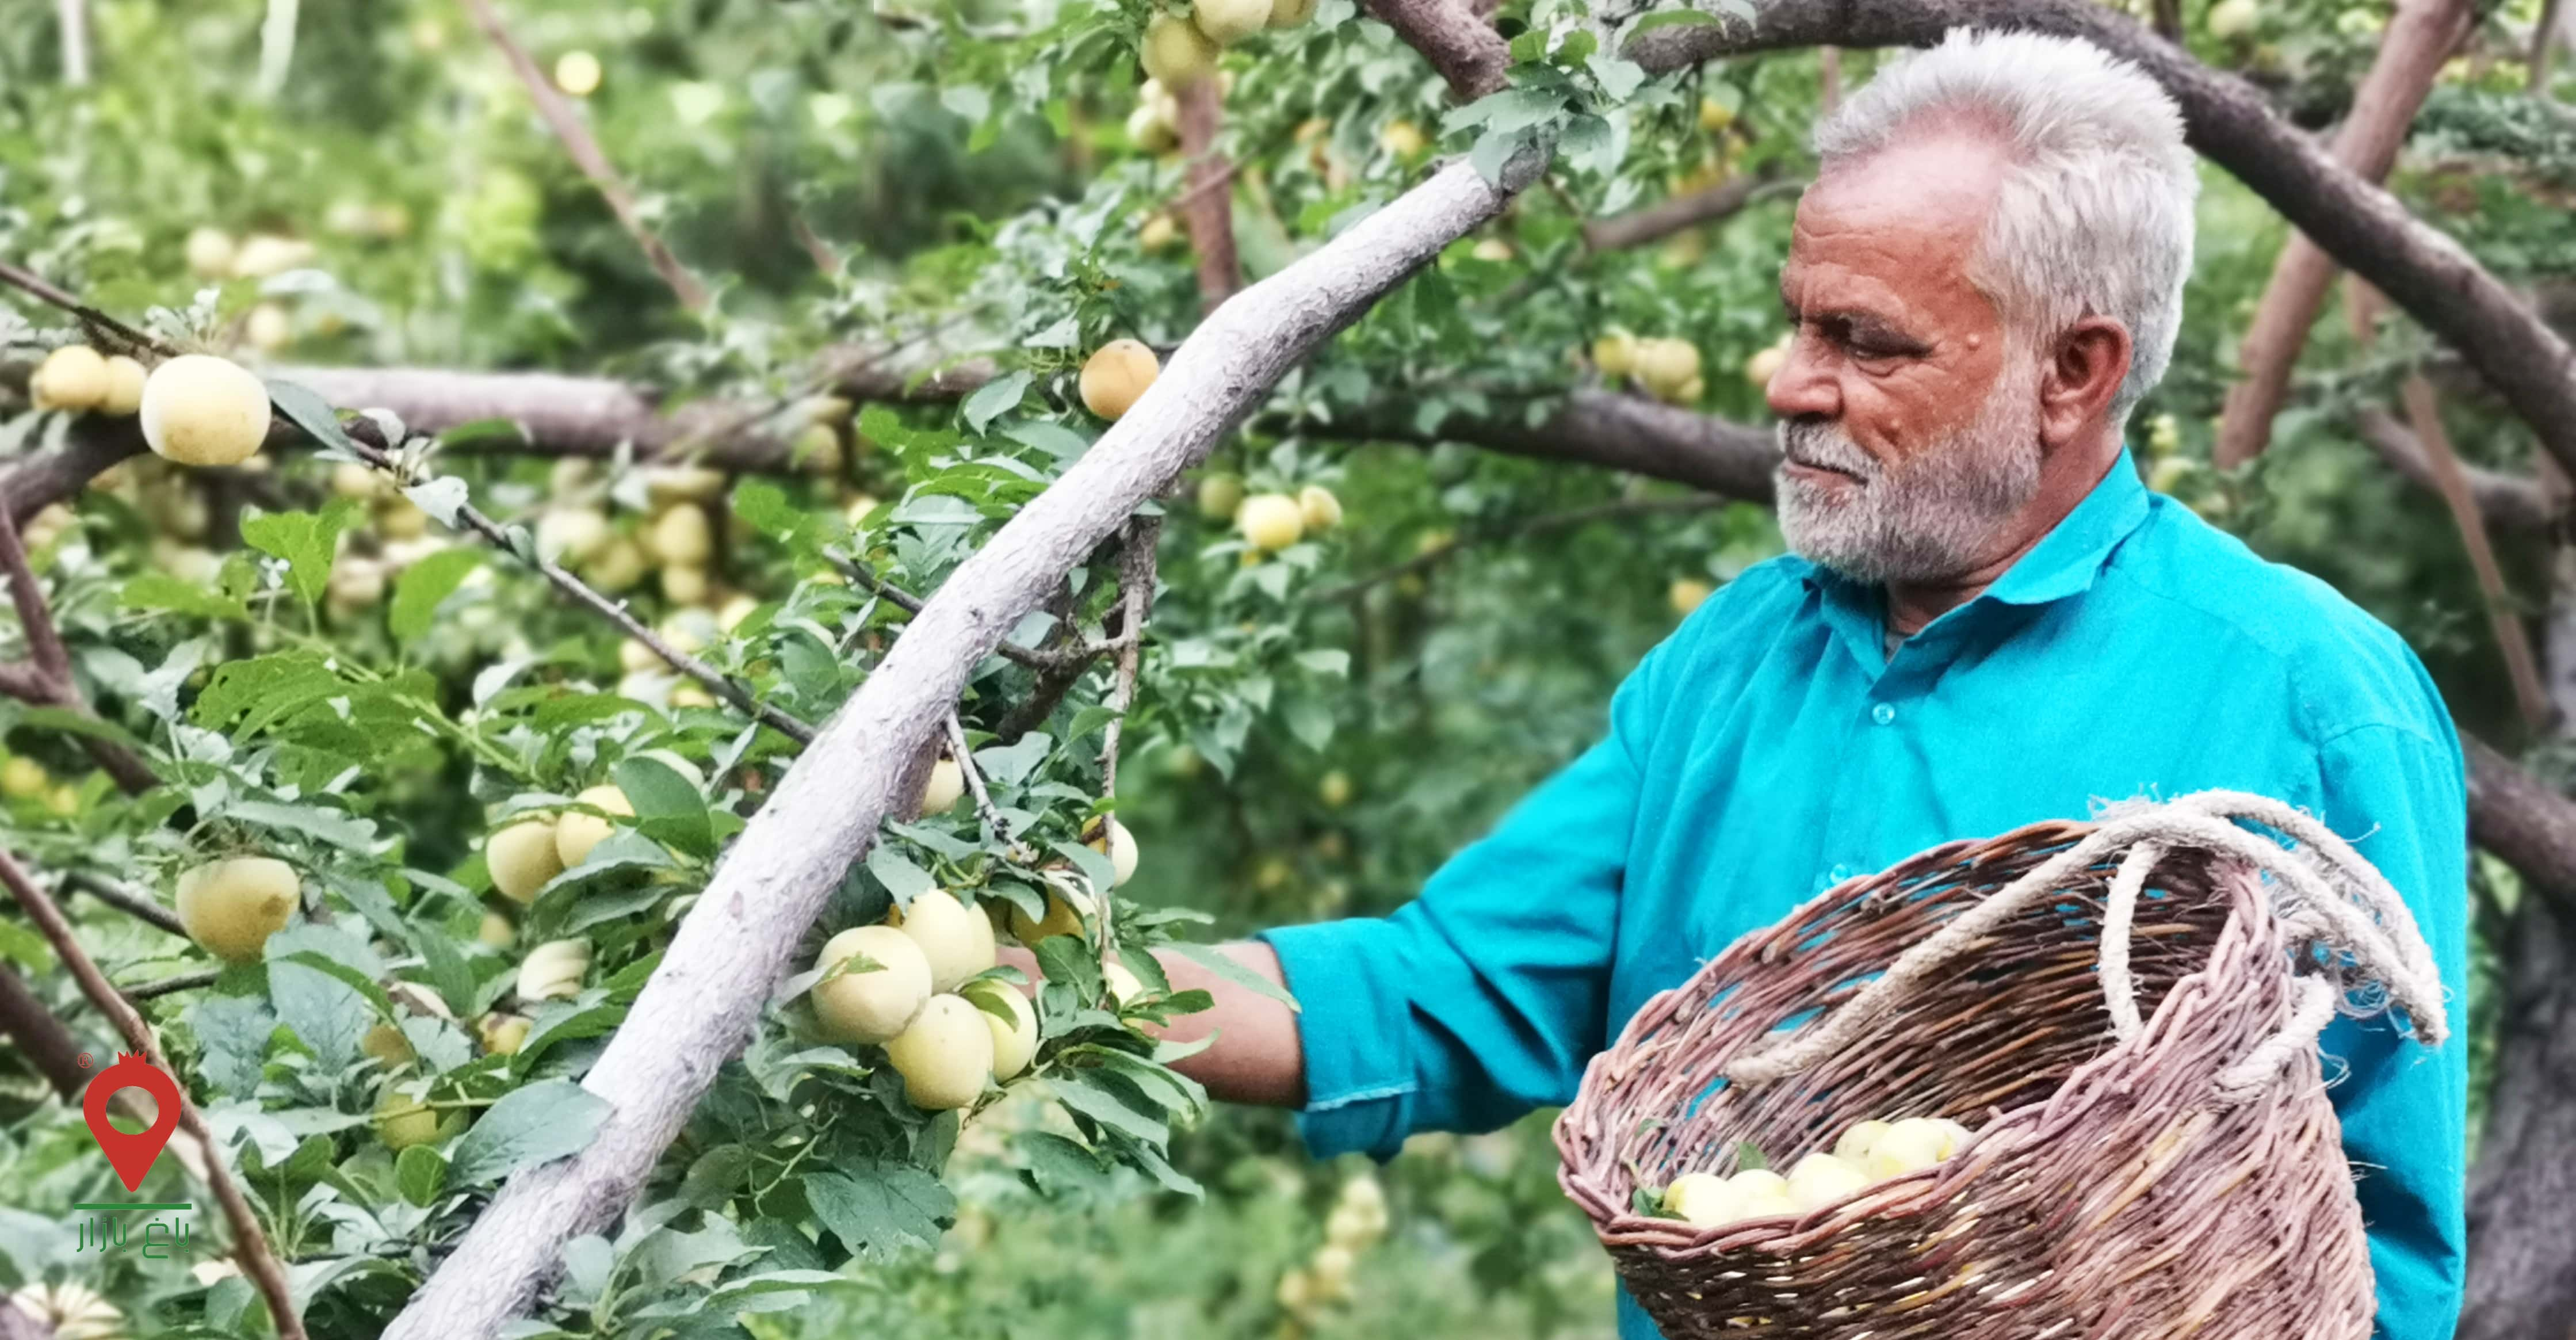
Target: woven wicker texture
column 2188, row 1180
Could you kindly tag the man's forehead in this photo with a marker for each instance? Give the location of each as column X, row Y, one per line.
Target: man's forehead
column 1905, row 216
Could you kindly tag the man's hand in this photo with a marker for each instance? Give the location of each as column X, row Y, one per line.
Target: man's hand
column 1256, row 1058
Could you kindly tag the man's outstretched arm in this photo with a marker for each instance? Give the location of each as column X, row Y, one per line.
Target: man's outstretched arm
column 1257, row 1057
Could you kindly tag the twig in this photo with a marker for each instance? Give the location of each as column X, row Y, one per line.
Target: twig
column 140, row 906
column 45, row 678
column 584, row 149
column 1658, row 221
column 366, row 439
column 1136, row 600
column 1062, row 658
column 131, row 339
column 965, row 757
column 1695, row 502
column 186, row 981
column 249, row 1244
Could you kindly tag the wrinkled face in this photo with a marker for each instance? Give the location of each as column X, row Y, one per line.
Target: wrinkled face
column 1909, row 420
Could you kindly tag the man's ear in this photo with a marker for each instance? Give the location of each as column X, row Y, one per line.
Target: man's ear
column 2082, row 378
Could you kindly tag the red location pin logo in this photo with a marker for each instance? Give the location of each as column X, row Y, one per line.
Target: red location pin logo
column 132, row 1155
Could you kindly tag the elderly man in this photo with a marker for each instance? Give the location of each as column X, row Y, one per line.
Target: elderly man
column 1987, row 621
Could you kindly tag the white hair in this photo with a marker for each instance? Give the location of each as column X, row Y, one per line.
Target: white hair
column 2095, row 216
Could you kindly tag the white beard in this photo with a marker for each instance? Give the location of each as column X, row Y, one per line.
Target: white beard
column 1927, row 519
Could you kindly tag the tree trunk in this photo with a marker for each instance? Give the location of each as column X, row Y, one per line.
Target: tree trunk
column 2522, row 1194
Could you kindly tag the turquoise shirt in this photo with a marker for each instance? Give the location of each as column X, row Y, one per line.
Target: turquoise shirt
column 1770, row 749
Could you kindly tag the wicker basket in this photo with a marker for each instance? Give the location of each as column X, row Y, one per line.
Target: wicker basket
column 2111, row 1006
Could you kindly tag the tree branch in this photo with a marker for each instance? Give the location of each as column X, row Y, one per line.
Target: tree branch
column 1210, row 211
column 1135, row 603
column 46, row 679
column 1620, row 432
column 43, row 1039
column 133, row 903
column 1536, row 525
column 561, row 117
column 2513, row 642
column 1659, row 221
column 1458, row 41
column 2359, row 225
column 2420, row 37
column 250, row 1246
column 2508, row 502
column 702, row 1004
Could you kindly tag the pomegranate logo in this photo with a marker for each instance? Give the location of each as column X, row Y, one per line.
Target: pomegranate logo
column 132, row 1155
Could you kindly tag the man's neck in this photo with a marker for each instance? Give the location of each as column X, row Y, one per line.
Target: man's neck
column 1912, row 606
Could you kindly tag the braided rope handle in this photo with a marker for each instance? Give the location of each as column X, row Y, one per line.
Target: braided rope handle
column 2333, row 896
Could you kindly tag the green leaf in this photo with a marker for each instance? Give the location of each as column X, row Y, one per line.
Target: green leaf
column 545, row 1121
column 326, row 1013
column 1114, row 1103
column 1748, row 1157
column 420, row 1173
column 994, row 399
column 667, row 808
column 340, row 830
column 1223, row 965
column 880, row 1205
column 310, row 412
column 1056, row 1165
column 306, row 540
column 423, row 585
column 905, row 880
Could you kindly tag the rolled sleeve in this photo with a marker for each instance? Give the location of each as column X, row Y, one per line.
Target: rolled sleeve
column 1485, row 996
column 1354, row 1025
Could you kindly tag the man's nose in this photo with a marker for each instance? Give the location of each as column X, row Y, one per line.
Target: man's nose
column 1803, row 387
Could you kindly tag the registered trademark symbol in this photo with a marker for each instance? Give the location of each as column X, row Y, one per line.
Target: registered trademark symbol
column 84, row 1060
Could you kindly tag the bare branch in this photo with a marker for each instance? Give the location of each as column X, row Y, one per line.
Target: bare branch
column 172, row 985
column 1537, row 525
column 132, row 902
column 1659, row 221
column 46, row 680
column 2513, row 641
column 2361, row 226
column 249, row 1244
column 43, row 1039
column 2508, row 502
column 2420, row 37
column 561, row 117
column 72, row 18
column 1459, row 42
column 1136, row 557
column 1621, row 432
column 1210, row 211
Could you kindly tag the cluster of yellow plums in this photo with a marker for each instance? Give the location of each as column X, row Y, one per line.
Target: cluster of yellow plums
column 196, row 409
column 1180, row 51
column 1869, row 1153
column 1666, row 367
column 915, row 986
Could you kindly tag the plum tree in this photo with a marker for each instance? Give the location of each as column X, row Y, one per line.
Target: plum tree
column 198, row 409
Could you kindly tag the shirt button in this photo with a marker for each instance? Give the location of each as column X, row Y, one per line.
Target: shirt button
column 1883, row 713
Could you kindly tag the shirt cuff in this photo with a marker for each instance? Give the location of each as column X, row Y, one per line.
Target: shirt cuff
column 1354, row 1025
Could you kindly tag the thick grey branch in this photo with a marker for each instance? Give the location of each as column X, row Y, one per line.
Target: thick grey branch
column 2509, row 502
column 702, row 1004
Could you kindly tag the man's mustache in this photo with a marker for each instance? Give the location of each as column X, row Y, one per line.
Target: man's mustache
column 1823, row 447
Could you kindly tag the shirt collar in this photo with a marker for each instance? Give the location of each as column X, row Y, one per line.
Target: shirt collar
column 2070, row 556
